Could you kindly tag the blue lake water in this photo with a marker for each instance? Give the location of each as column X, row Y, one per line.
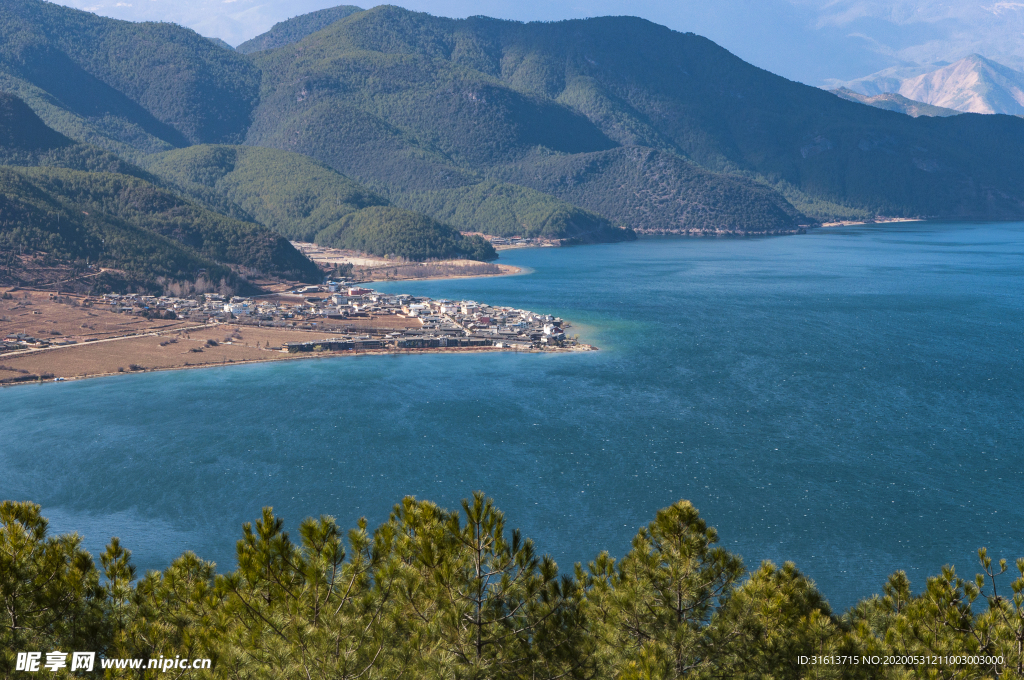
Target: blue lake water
column 850, row 399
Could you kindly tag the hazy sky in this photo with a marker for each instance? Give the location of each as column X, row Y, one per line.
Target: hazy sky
column 807, row 40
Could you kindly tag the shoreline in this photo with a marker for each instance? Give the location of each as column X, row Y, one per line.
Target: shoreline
column 288, row 356
column 506, row 270
column 367, row 268
column 884, row 220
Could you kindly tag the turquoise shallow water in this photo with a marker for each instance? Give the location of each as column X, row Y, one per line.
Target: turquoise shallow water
column 848, row 399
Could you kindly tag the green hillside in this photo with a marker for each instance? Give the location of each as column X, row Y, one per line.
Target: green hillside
column 295, row 29
column 127, row 223
column 121, row 85
column 25, row 140
column 299, row 197
column 292, row 194
column 35, row 219
column 419, row 103
column 302, row 199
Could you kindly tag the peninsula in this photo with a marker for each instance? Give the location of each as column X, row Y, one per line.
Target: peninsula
column 54, row 337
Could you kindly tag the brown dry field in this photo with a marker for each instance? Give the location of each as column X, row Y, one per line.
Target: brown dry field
column 34, row 313
column 110, row 357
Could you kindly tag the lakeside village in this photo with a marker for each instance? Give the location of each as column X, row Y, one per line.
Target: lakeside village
column 351, row 318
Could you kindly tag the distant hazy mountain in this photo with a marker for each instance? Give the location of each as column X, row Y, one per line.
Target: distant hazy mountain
column 973, row 84
column 894, row 102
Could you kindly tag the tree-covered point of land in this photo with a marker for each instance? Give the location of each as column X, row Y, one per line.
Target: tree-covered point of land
column 512, row 210
column 434, row 593
column 395, row 232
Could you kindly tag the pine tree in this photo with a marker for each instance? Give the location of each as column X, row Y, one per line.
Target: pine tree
column 474, row 604
column 303, row 611
column 766, row 624
column 50, row 596
column 650, row 610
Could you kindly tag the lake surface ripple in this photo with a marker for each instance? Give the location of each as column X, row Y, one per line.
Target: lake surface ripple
column 848, row 399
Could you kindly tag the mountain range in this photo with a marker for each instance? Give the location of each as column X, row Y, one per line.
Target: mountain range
column 395, row 130
column 810, row 41
column 973, row 84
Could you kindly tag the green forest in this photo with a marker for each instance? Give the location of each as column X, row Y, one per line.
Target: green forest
column 435, row 593
column 513, row 210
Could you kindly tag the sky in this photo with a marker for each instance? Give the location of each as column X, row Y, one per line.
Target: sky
column 813, row 41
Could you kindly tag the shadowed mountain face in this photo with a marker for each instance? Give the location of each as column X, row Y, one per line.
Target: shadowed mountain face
column 22, row 130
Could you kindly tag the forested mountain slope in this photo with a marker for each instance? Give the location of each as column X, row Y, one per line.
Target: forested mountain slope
column 566, row 130
column 292, row 194
column 121, row 85
column 39, row 220
column 27, row 140
column 420, row 103
column 83, row 205
column 70, row 213
column 432, row 132
column 303, row 199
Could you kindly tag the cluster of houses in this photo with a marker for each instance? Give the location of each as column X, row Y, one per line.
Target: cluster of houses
column 519, row 241
column 439, row 323
column 16, row 341
column 348, row 312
